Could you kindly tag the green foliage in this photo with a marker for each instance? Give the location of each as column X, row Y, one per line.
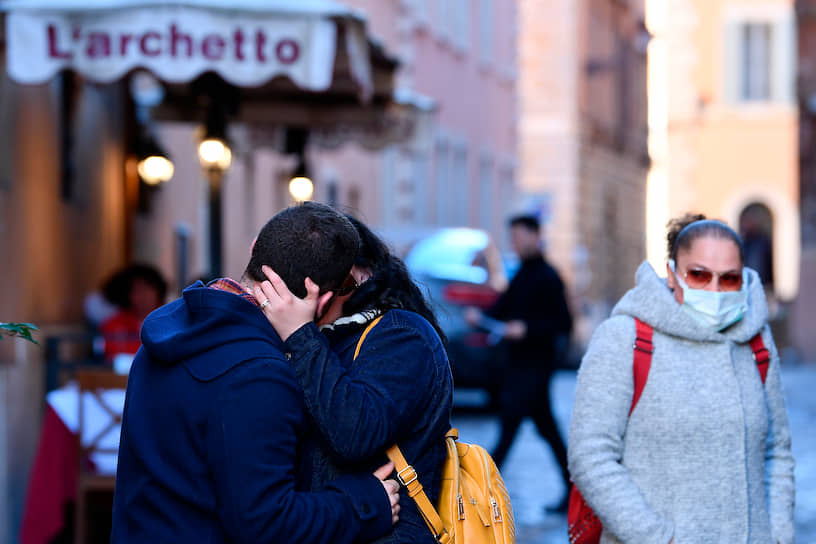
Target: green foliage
column 22, row 330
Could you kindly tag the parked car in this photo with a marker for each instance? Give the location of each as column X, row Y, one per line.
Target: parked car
column 461, row 267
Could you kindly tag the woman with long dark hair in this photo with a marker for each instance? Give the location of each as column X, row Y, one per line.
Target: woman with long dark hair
column 397, row 389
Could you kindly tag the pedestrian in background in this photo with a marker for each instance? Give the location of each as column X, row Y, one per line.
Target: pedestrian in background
column 136, row 290
column 537, row 328
column 705, row 456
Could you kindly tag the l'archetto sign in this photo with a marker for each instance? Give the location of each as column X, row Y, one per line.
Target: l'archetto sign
column 175, row 43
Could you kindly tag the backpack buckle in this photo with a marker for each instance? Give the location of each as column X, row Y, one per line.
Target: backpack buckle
column 411, row 475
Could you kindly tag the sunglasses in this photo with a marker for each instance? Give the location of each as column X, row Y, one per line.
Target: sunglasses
column 697, row 278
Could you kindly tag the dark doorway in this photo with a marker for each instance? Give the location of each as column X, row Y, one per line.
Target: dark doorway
column 756, row 230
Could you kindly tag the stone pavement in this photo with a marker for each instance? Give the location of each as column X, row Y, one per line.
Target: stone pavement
column 532, row 478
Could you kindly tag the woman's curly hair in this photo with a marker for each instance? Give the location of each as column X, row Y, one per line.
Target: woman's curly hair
column 684, row 230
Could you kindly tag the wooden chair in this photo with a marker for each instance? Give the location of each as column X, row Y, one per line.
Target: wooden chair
column 94, row 382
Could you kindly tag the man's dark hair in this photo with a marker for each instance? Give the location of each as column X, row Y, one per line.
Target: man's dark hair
column 308, row 240
column 530, row 222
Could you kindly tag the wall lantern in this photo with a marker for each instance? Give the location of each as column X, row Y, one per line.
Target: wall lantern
column 300, row 186
column 154, row 166
column 214, row 153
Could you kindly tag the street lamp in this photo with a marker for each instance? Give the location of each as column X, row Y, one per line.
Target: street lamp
column 301, row 188
column 154, row 166
column 215, row 156
column 214, row 153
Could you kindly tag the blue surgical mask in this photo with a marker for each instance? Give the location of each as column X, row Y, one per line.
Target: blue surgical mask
column 714, row 309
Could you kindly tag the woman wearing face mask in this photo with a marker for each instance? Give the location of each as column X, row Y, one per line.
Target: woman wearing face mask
column 705, row 454
column 398, row 389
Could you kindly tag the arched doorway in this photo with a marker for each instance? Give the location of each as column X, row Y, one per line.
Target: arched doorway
column 756, row 230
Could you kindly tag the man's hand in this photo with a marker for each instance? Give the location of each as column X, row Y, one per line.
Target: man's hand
column 391, row 488
column 515, row 330
column 285, row 310
column 472, row 315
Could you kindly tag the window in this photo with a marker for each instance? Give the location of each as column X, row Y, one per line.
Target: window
column 485, row 192
column 486, row 31
column 389, row 185
column 421, row 11
column 460, row 196
column 759, row 55
column 461, row 35
column 755, row 61
column 7, row 127
column 420, row 176
column 442, row 182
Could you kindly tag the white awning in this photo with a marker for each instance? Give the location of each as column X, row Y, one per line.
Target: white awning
column 246, row 42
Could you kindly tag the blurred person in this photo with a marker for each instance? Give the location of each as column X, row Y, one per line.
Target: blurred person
column 398, row 389
column 215, row 422
column 136, row 290
column 705, row 455
column 537, row 325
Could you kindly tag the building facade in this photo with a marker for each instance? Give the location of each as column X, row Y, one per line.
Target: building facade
column 582, row 142
column 723, row 129
column 806, row 301
column 460, row 56
column 64, row 234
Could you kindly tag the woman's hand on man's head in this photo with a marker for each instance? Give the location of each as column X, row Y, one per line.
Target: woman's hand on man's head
column 285, row 310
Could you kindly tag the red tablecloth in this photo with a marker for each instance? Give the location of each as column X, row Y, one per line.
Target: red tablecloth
column 53, row 481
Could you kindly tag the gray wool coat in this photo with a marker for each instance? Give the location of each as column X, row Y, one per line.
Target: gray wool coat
column 706, row 455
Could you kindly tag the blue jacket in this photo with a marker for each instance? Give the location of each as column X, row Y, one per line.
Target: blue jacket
column 398, row 390
column 212, row 429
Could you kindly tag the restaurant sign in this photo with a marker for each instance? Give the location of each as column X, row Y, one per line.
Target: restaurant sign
column 176, row 43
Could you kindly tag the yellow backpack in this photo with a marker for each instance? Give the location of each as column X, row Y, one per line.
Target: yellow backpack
column 474, row 507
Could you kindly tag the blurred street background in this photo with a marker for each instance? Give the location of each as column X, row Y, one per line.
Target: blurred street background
column 532, row 476
column 143, row 143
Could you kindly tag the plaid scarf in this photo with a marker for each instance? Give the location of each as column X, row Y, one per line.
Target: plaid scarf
column 231, row 286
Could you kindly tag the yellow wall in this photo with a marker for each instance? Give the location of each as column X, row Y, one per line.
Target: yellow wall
column 719, row 155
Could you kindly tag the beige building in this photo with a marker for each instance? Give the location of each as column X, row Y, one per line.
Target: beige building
column 582, row 142
column 723, row 126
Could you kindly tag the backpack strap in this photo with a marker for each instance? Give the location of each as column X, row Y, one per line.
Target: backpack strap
column 365, row 333
column 642, row 361
column 761, row 355
column 406, row 474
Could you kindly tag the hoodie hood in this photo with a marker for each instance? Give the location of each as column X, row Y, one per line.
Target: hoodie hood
column 653, row 302
column 209, row 331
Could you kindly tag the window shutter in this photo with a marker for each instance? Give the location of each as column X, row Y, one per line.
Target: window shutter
column 782, row 60
column 733, row 62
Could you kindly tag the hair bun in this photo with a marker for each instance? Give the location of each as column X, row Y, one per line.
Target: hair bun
column 676, row 225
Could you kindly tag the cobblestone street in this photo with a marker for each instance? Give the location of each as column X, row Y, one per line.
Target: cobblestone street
column 532, row 476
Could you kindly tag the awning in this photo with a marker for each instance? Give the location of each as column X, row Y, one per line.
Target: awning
column 248, row 43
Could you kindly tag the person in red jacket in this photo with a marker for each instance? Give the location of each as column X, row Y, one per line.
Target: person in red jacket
column 137, row 290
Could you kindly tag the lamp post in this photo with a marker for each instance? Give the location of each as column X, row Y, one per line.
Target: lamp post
column 215, row 157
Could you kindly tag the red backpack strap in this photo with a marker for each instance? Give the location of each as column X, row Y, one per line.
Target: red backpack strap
column 761, row 355
column 642, row 362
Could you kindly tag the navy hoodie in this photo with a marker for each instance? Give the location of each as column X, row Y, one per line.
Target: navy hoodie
column 212, row 426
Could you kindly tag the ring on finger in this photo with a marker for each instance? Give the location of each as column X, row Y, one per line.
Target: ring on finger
column 265, row 303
